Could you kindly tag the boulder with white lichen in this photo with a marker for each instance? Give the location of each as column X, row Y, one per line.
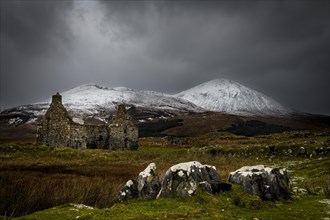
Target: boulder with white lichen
column 265, row 182
column 184, row 179
column 146, row 185
column 148, row 182
column 129, row 191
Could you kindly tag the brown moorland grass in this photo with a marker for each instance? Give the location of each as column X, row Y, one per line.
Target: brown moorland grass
column 35, row 178
column 32, row 180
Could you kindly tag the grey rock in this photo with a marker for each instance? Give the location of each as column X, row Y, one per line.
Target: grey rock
column 323, row 150
column 129, row 191
column 184, row 179
column 267, row 183
column 271, row 158
column 302, row 151
column 148, row 183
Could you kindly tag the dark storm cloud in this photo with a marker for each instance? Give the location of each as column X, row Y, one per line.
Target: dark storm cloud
column 33, row 33
column 33, row 27
column 278, row 47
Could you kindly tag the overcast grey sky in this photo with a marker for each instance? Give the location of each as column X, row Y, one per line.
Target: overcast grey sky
column 280, row 48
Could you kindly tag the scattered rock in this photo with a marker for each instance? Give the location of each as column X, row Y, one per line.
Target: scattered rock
column 267, row 183
column 129, row 191
column 302, row 151
column 300, row 135
column 81, row 206
column 183, row 180
column 146, row 185
column 322, row 150
column 299, row 191
column 271, row 158
column 180, row 180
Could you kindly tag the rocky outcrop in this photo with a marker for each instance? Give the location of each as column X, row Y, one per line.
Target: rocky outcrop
column 185, row 178
column 267, row 183
column 182, row 179
column 129, row 191
column 146, row 185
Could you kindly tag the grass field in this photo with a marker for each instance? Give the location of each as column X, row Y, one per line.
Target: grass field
column 50, row 183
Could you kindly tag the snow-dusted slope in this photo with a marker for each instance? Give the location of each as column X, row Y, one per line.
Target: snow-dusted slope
column 219, row 95
column 91, row 97
column 227, row 96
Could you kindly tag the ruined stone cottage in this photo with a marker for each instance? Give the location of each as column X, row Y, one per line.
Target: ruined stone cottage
column 57, row 129
column 123, row 130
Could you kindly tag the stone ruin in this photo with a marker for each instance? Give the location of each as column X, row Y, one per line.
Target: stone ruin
column 57, row 129
column 123, row 131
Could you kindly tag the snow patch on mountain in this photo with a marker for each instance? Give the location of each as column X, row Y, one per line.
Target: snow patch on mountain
column 91, row 97
column 223, row 95
column 99, row 102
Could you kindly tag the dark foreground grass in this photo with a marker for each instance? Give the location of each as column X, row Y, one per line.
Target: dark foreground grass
column 35, row 178
column 197, row 207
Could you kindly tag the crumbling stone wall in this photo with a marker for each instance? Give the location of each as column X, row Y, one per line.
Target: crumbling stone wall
column 78, row 136
column 58, row 130
column 55, row 126
column 98, row 136
column 123, row 131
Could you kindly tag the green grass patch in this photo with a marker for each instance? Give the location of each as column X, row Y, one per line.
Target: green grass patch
column 35, row 178
column 196, row 207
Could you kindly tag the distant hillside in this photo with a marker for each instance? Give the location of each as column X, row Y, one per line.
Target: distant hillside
column 216, row 105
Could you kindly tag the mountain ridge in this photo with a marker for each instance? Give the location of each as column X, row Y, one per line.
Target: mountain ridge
column 160, row 114
column 219, row 95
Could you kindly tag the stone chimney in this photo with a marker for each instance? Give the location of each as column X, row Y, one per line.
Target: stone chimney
column 57, row 99
column 121, row 110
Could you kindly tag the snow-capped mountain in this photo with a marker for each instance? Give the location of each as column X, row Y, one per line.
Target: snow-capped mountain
column 91, row 97
column 227, row 96
column 98, row 102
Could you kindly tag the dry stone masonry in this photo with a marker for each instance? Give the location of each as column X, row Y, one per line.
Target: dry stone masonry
column 123, row 131
column 57, row 129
